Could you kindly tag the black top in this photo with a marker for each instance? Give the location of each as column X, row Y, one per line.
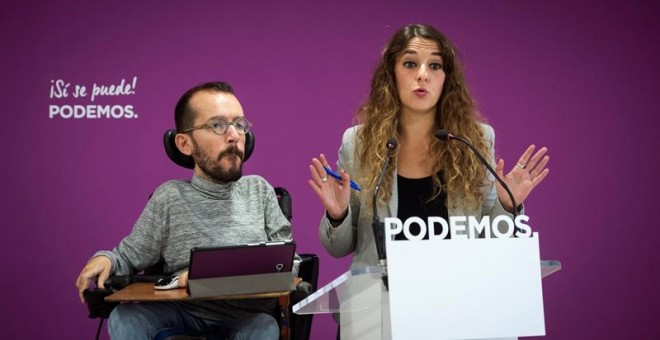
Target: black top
column 414, row 195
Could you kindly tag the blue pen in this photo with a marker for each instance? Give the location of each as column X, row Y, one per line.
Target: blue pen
column 334, row 175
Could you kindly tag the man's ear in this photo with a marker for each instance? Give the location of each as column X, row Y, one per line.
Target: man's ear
column 183, row 143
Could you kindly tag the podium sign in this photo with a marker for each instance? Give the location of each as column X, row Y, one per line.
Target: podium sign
column 465, row 288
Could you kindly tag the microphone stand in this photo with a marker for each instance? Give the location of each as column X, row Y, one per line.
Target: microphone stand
column 443, row 135
column 376, row 225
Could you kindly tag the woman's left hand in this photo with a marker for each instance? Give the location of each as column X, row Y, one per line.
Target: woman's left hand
column 523, row 177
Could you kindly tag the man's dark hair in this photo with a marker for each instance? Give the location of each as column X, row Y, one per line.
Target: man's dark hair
column 184, row 116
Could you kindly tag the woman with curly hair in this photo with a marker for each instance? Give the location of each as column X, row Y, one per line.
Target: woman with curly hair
column 417, row 88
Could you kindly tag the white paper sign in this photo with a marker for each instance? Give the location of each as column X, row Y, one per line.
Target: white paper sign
column 465, row 288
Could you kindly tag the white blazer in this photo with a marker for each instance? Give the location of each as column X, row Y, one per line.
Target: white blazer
column 355, row 234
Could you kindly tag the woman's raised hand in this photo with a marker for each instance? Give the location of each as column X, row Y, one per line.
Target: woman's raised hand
column 523, row 177
column 334, row 194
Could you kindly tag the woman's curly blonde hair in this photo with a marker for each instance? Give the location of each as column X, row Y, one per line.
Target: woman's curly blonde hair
column 464, row 176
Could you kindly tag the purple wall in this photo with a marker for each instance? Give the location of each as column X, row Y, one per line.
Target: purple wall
column 574, row 77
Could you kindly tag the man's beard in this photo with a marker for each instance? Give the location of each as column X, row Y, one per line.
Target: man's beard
column 212, row 166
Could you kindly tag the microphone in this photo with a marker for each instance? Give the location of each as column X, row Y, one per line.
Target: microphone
column 443, row 135
column 376, row 225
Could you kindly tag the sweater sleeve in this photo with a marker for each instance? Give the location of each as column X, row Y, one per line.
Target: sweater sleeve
column 278, row 226
column 142, row 247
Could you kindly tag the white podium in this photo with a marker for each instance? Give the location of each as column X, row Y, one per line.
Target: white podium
column 453, row 293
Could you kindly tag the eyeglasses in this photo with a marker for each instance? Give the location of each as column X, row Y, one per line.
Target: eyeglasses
column 220, row 126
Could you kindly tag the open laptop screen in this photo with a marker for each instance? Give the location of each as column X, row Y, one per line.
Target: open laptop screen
column 246, row 259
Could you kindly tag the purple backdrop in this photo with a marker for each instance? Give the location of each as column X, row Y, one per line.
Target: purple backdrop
column 572, row 76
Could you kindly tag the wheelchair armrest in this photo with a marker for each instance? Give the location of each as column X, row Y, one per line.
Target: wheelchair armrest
column 304, row 287
column 96, row 304
column 95, row 297
column 118, row 282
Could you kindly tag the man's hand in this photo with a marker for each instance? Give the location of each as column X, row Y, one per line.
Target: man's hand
column 183, row 279
column 98, row 265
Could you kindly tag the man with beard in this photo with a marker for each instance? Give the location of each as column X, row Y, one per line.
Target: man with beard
column 217, row 207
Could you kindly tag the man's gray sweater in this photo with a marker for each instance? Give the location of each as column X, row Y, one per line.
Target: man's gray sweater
column 181, row 215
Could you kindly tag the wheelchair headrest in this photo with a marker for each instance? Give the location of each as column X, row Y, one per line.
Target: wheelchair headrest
column 187, row 161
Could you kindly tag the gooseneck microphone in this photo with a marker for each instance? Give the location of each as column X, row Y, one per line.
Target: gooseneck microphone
column 376, row 225
column 443, row 135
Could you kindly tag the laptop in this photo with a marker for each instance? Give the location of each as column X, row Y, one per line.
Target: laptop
column 241, row 269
